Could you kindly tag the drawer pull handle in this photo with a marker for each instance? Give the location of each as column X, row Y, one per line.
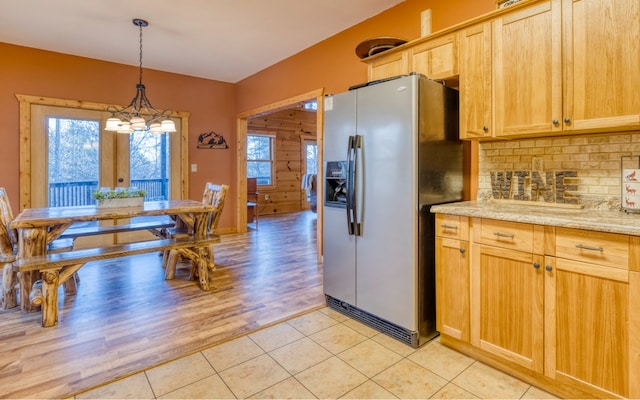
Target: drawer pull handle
column 582, row 246
column 536, row 265
column 445, row 226
column 504, row 235
column 462, row 250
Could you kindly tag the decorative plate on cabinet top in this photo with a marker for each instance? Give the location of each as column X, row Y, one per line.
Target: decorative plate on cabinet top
column 373, row 46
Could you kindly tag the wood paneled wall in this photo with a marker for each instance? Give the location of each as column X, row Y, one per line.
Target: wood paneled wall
column 291, row 128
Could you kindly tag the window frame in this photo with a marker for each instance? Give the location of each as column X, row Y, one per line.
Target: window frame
column 272, row 155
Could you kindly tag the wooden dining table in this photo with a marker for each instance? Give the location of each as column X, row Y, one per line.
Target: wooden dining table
column 38, row 227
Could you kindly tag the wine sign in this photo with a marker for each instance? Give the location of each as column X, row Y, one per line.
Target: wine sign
column 538, row 186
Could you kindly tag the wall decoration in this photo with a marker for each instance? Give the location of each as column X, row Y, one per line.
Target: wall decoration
column 540, row 186
column 630, row 170
column 211, row 140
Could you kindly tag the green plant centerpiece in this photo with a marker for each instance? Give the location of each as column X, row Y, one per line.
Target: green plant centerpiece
column 119, row 197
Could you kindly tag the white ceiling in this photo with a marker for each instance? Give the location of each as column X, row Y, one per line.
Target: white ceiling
column 225, row 40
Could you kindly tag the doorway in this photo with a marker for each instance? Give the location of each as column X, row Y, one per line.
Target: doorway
column 241, row 157
column 34, row 145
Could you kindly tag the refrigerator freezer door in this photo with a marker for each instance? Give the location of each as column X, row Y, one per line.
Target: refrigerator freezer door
column 339, row 258
column 386, row 251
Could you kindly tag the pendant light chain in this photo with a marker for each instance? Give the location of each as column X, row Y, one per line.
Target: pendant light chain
column 140, row 26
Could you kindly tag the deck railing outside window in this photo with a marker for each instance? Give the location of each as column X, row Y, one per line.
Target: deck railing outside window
column 64, row 194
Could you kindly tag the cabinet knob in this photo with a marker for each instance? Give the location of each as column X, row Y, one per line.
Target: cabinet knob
column 485, row 128
column 462, row 250
column 548, row 267
column 536, row 265
column 555, row 122
column 567, row 120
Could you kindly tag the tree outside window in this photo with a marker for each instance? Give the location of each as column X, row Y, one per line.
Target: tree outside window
column 260, row 158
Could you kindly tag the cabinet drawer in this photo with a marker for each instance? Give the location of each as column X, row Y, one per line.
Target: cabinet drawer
column 508, row 235
column 602, row 248
column 452, row 226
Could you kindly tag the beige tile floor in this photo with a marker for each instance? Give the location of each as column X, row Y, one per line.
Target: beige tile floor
column 325, row 355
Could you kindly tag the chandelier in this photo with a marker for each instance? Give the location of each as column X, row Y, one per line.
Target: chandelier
column 139, row 115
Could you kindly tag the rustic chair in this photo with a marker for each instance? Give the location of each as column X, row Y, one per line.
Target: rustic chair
column 214, row 195
column 9, row 248
column 7, row 253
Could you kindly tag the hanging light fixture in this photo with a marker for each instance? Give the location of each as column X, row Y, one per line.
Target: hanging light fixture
column 132, row 117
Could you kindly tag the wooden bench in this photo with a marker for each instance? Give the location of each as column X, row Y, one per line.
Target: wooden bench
column 57, row 268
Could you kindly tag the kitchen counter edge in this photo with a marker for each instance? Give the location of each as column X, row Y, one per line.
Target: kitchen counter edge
column 613, row 221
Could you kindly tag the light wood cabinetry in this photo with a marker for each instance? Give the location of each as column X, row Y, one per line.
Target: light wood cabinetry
column 507, row 290
column 437, row 58
column 527, row 71
column 601, row 61
column 587, row 311
column 452, row 276
column 388, row 65
column 537, row 68
column 586, row 308
column 566, row 66
column 475, row 82
column 557, row 307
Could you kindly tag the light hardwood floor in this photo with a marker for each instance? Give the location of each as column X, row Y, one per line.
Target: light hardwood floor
column 126, row 318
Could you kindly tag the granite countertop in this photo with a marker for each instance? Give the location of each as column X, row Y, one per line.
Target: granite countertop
column 614, row 221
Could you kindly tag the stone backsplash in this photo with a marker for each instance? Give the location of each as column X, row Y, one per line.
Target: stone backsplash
column 596, row 159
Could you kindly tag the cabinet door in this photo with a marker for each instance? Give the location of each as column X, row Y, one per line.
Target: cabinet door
column 601, row 60
column 475, row 82
column 389, row 65
column 437, row 58
column 586, row 334
column 527, row 74
column 507, row 289
column 452, row 288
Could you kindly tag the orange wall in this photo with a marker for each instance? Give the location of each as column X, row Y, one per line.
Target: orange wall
column 331, row 64
column 41, row 73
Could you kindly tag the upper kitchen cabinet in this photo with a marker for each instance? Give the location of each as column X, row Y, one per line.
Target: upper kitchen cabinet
column 475, row 82
column 601, row 61
column 527, row 71
column 388, row 65
column 436, row 58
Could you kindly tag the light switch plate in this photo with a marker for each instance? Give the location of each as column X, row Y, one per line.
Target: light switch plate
column 194, row 167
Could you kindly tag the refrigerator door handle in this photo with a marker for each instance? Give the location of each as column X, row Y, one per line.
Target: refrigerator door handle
column 357, row 186
column 349, row 194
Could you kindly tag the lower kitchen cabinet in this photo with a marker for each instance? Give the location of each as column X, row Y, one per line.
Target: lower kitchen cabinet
column 452, row 288
column 507, row 290
column 452, row 276
column 556, row 307
column 586, row 333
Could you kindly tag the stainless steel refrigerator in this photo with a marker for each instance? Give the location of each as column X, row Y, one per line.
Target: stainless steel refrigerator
column 391, row 150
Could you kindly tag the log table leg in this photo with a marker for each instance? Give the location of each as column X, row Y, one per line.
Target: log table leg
column 203, row 268
column 31, row 242
column 50, row 283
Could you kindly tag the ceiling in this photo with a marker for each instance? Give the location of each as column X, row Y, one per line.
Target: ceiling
column 225, row 40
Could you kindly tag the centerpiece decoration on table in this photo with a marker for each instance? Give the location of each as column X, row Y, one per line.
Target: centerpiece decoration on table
column 119, row 197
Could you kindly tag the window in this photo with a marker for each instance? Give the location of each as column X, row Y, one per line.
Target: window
column 149, row 164
column 73, row 170
column 260, row 158
column 311, row 155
